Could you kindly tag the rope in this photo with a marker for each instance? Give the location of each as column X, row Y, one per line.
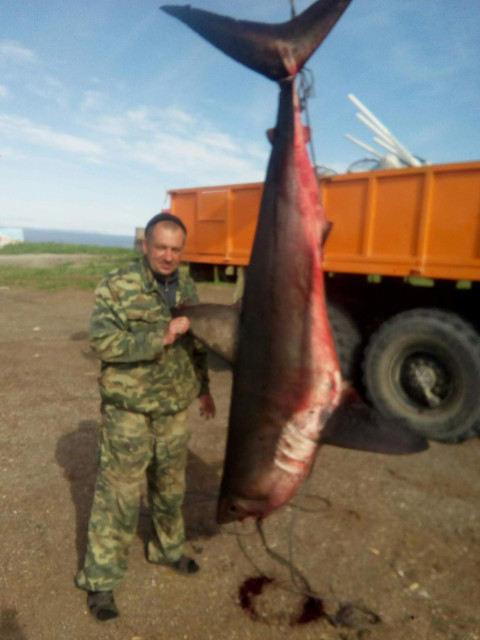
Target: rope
column 306, row 88
column 295, row 574
column 306, row 91
column 346, row 612
column 345, row 616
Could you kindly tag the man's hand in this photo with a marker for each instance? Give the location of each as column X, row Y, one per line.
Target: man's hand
column 207, row 406
column 176, row 328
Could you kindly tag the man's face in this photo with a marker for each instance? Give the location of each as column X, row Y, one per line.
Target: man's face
column 164, row 249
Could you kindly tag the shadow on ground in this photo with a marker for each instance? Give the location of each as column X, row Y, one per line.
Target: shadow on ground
column 203, row 484
column 77, row 454
column 9, row 626
column 200, row 502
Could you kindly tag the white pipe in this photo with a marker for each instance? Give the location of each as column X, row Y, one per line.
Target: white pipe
column 412, row 161
column 369, row 114
column 362, row 144
column 389, row 148
column 405, row 158
column 383, row 132
column 374, row 128
column 392, row 140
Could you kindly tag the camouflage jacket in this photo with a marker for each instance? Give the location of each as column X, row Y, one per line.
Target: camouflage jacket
column 138, row 372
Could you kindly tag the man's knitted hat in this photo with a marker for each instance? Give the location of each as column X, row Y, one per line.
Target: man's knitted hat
column 164, row 216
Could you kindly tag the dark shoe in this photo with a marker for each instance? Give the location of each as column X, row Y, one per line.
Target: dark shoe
column 102, row 605
column 184, row 565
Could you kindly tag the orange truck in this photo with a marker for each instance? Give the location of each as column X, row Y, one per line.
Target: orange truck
column 402, row 267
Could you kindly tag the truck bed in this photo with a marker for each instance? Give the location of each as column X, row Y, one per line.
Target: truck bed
column 422, row 222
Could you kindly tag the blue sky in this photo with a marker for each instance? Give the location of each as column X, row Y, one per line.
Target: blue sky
column 105, row 105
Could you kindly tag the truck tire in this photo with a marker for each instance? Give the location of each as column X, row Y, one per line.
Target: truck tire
column 424, row 366
column 347, row 340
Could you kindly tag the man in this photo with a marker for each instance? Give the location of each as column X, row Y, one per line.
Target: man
column 151, row 371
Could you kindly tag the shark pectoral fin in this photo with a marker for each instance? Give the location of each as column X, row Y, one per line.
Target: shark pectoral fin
column 214, row 325
column 355, row 425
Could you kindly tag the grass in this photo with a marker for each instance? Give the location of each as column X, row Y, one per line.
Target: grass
column 20, row 248
column 75, row 274
column 70, row 274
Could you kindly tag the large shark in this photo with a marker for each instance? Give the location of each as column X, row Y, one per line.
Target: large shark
column 287, row 395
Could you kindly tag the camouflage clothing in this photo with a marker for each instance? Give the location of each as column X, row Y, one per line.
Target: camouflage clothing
column 129, row 319
column 130, row 444
column 145, row 389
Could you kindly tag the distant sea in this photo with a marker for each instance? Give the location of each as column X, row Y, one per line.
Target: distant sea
column 77, row 237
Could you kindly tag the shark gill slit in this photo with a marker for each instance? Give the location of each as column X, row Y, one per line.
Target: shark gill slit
column 295, row 448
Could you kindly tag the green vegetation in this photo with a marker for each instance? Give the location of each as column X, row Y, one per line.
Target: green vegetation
column 20, row 248
column 80, row 273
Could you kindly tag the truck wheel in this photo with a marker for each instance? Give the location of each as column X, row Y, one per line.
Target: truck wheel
column 424, row 366
column 347, row 340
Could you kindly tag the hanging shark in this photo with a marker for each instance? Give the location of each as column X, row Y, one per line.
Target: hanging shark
column 287, row 393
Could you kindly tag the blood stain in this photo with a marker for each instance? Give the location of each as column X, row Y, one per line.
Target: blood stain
column 312, row 610
column 248, row 590
column 253, row 587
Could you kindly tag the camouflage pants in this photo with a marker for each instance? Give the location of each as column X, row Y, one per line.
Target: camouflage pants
column 130, row 445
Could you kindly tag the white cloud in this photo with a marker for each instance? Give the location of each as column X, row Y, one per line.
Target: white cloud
column 172, row 154
column 11, row 52
column 178, row 115
column 144, row 119
column 4, row 92
column 50, row 89
column 92, row 100
column 166, row 141
column 173, row 141
column 24, row 70
column 24, row 130
column 11, row 153
column 219, row 141
column 111, row 126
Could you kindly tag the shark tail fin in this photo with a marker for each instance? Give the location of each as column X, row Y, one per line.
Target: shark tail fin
column 277, row 51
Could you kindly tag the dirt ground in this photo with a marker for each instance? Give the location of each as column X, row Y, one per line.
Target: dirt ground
column 398, row 536
column 42, row 259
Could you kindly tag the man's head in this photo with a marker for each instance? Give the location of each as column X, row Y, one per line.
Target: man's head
column 163, row 243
